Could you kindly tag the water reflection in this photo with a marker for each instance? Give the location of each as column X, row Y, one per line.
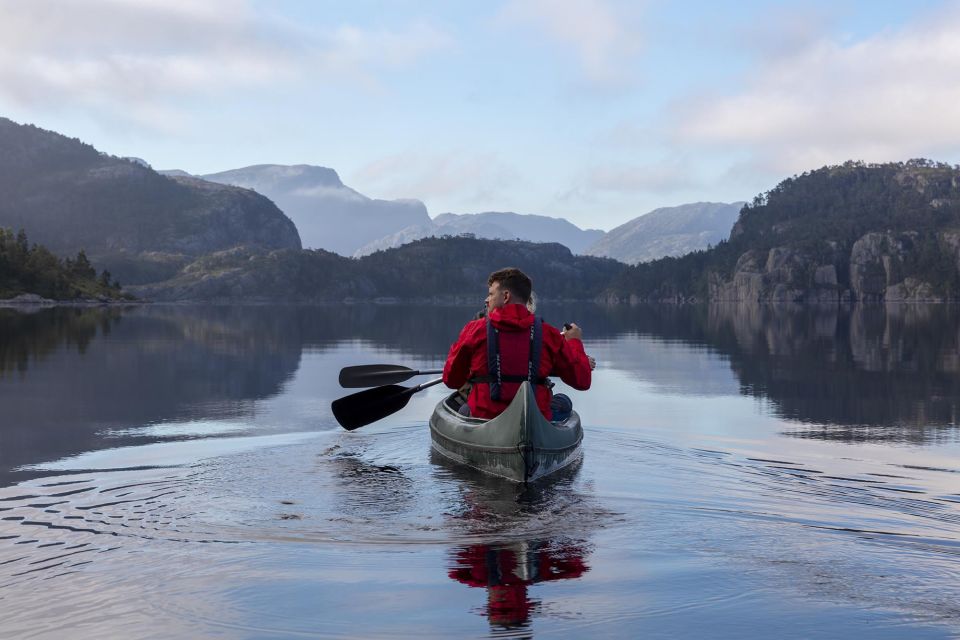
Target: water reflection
column 520, row 536
column 506, row 570
column 75, row 380
column 27, row 336
column 866, row 373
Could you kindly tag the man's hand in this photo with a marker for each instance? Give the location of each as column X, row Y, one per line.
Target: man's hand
column 593, row 362
column 571, row 331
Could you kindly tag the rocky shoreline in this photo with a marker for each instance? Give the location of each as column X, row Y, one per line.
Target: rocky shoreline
column 33, row 300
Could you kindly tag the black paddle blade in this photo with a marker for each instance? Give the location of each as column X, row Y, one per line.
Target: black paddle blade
column 360, row 409
column 374, row 375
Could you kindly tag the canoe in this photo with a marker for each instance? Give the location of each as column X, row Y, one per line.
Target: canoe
column 519, row 444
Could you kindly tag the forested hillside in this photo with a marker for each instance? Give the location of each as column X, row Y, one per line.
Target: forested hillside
column 452, row 268
column 855, row 231
column 35, row 270
column 126, row 217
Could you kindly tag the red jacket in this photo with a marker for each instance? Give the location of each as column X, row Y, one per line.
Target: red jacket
column 468, row 358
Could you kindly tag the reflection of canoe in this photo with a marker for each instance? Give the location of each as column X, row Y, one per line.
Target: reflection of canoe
column 519, row 444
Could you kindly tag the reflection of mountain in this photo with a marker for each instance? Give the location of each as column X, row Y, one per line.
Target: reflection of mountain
column 863, row 373
column 867, row 372
column 68, row 374
column 79, row 371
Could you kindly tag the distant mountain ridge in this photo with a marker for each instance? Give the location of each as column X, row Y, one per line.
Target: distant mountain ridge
column 668, row 231
column 129, row 219
column 504, row 225
column 328, row 214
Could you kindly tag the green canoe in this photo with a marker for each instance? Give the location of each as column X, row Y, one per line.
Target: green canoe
column 519, row 444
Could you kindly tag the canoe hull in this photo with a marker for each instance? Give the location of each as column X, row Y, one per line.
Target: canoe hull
column 519, row 444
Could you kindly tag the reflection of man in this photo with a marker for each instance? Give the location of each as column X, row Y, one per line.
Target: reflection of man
column 511, row 345
column 507, row 571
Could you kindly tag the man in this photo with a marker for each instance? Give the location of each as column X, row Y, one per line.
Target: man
column 510, row 336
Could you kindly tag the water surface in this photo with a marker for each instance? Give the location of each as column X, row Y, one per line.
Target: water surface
column 176, row 472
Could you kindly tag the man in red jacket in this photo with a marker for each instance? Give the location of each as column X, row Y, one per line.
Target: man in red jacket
column 511, row 338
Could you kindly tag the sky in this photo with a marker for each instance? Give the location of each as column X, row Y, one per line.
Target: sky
column 593, row 110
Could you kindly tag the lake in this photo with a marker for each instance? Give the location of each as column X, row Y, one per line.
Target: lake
column 176, row 472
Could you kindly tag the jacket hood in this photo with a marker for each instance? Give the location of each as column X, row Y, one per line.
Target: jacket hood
column 512, row 317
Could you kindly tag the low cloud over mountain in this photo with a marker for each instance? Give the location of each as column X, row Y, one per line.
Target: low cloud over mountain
column 328, row 214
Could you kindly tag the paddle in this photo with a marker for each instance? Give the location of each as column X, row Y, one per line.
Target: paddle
column 375, row 375
column 364, row 407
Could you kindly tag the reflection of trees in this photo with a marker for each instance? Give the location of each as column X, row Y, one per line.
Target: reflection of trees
column 867, row 373
column 65, row 373
column 90, row 369
column 26, row 337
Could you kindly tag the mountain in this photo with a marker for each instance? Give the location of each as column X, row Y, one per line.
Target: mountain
column 855, row 232
column 493, row 225
column 129, row 219
column 328, row 214
column 669, row 231
column 452, row 269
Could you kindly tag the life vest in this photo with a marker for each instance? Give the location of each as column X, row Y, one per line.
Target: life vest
column 504, row 385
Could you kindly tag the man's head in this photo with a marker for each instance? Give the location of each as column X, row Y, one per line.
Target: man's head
column 507, row 286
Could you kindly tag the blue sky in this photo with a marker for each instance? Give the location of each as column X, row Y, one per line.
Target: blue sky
column 593, row 110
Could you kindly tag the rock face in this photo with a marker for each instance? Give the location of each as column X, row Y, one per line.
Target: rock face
column 875, row 270
column 67, row 196
column 492, row 225
column 669, row 231
column 328, row 214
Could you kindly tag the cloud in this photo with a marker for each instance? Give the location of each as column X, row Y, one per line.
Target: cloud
column 660, row 178
column 888, row 97
column 784, row 30
column 356, row 53
column 141, row 58
column 597, row 30
column 457, row 176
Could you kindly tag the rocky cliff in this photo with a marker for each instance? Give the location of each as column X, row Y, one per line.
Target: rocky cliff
column 876, row 269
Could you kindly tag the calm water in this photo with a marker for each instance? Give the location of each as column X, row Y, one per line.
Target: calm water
column 176, row 472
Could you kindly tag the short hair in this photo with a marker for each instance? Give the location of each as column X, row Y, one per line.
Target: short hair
column 514, row 281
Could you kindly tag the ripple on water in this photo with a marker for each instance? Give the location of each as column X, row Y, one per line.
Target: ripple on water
column 225, row 542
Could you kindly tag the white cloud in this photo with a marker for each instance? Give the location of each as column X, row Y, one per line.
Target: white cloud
column 597, row 30
column 459, row 177
column 888, row 97
column 141, row 58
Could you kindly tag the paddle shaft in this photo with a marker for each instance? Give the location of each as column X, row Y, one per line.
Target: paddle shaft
column 378, row 375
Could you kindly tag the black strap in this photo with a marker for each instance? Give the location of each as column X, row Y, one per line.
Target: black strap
column 496, row 376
